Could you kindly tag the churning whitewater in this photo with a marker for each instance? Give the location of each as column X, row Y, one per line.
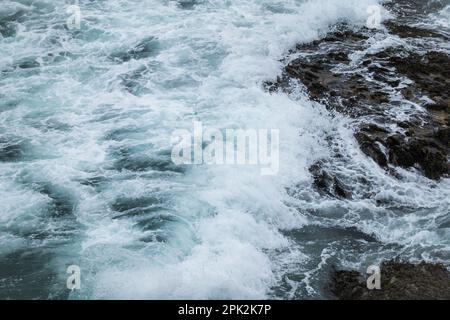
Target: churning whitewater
column 87, row 179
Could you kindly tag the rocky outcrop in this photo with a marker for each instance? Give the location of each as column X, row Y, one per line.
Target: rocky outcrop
column 377, row 86
column 399, row 281
column 327, row 184
column 397, row 98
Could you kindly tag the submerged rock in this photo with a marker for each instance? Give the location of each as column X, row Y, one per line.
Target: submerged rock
column 399, row 281
column 328, row 184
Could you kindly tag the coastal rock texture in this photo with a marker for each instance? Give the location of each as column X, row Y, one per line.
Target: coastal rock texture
column 328, row 184
column 400, row 93
column 399, row 281
column 393, row 84
column 414, row 8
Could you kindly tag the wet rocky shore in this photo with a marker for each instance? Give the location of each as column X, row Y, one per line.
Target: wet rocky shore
column 399, row 281
column 393, row 82
column 402, row 95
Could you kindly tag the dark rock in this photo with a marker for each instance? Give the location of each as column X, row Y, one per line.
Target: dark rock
column 405, row 31
column 443, row 135
column 370, row 139
column 345, row 92
column 430, row 73
column 347, row 285
column 399, row 155
column 414, row 8
column 438, row 107
column 325, row 70
column 371, row 149
column 430, row 157
column 328, row 184
column 399, row 281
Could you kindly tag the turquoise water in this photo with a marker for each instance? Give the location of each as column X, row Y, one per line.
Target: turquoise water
column 86, row 177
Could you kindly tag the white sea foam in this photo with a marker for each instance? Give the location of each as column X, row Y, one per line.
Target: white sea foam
column 221, row 233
